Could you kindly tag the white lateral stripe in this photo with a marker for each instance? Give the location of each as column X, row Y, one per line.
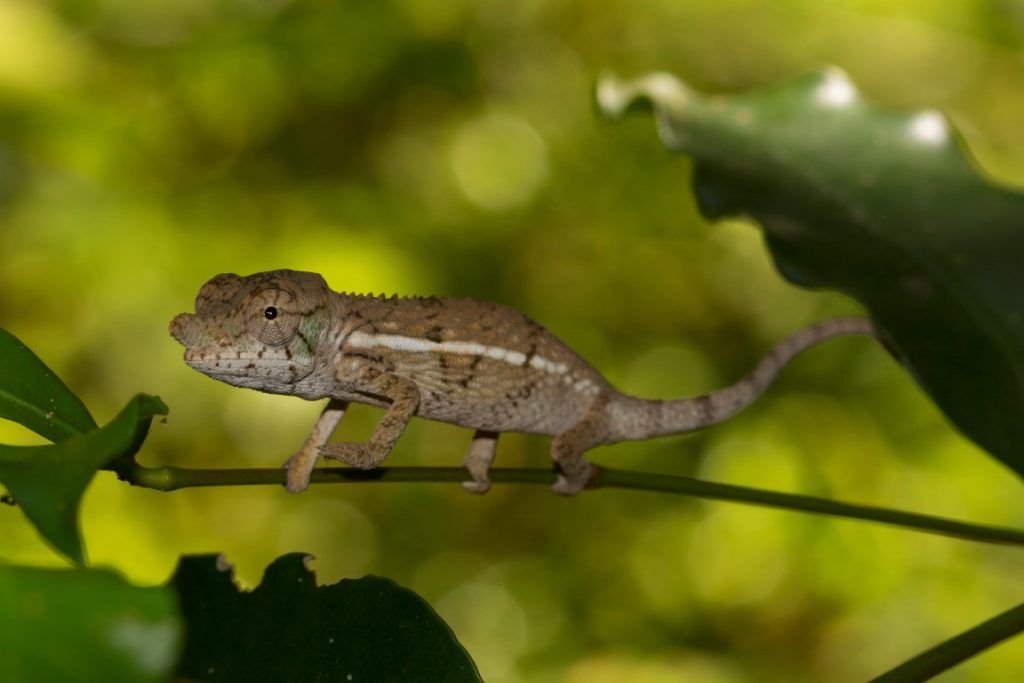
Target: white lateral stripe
column 400, row 342
column 548, row 366
column 498, row 353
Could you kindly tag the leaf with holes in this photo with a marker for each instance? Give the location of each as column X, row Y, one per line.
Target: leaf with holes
column 882, row 205
column 290, row 629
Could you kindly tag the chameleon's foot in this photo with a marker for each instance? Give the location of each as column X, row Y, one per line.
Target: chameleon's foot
column 299, row 467
column 357, row 455
column 478, row 461
column 572, row 480
column 565, row 487
column 477, row 486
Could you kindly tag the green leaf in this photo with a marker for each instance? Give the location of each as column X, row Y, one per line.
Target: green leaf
column 289, row 629
column 48, row 481
column 32, row 395
column 882, row 205
column 59, row 625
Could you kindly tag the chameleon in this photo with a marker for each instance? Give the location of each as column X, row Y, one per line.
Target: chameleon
column 463, row 361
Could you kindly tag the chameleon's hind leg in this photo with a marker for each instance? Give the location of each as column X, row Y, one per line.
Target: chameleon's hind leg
column 478, row 460
column 567, row 451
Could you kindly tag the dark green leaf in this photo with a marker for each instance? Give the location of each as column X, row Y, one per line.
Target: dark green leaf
column 32, row 395
column 60, row 625
column 288, row 629
column 48, row 481
column 882, row 205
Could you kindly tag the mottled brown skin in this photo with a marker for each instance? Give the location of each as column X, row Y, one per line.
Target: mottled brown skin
column 470, row 363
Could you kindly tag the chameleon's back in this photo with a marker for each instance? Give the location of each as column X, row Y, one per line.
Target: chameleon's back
column 477, row 364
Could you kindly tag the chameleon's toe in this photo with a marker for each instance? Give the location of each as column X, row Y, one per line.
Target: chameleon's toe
column 564, row 486
column 478, row 486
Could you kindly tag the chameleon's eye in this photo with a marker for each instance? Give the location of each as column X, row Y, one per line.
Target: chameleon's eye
column 272, row 316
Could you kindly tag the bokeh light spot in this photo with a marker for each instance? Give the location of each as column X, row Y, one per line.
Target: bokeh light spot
column 500, row 162
column 836, row 90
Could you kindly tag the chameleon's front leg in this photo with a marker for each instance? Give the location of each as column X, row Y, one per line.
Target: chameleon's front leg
column 300, row 465
column 405, row 399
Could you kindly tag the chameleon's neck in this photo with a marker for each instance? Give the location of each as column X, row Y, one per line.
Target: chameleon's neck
column 632, row 419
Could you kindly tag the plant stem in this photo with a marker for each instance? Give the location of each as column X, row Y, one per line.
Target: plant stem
column 822, row 506
column 173, row 478
column 957, row 649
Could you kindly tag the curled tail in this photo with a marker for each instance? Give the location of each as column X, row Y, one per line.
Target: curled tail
column 633, row 418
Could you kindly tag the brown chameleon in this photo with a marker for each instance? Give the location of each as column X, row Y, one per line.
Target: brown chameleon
column 471, row 363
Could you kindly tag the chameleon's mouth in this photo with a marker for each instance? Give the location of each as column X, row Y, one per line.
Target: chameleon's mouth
column 251, row 360
column 273, row 375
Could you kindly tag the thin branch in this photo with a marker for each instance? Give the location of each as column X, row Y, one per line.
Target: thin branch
column 958, row 649
column 173, row 478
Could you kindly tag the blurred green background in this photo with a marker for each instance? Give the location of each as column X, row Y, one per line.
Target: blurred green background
column 452, row 148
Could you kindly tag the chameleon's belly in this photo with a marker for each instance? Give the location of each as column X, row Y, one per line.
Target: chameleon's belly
column 504, row 399
column 547, row 410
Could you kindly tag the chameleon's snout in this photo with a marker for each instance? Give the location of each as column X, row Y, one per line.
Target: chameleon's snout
column 179, row 327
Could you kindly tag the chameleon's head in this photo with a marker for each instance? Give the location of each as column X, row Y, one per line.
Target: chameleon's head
column 259, row 331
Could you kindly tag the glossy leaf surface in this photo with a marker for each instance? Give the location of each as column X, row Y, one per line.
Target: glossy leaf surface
column 882, row 205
